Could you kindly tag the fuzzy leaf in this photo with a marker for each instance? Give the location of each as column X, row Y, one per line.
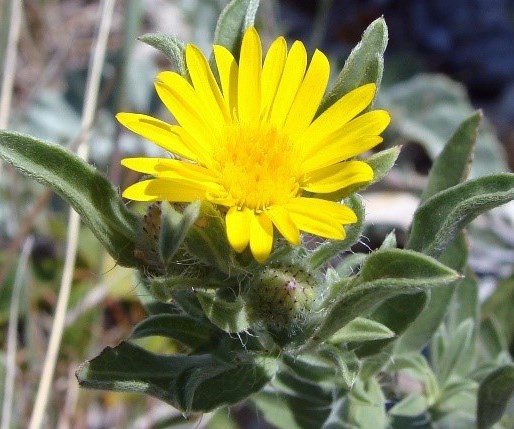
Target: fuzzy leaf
column 207, row 239
column 418, row 334
column 385, row 274
column 438, row 220
column 174, row 228
column 412, row 405
column 366, row 405
column 494, row 393
column 365, row 64
column 195, row 383
column 453, row 164
column 456, row 359
column 185, row 329
column 381, row 162
column 237, row 16
column 360, row 330
column 310, row 367
column 330, row 249
column 90, row 194
column 170, row 46
column 227, row 315
column 346, row 362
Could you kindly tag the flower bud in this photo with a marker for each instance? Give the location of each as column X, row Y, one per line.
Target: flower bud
column 281, row 298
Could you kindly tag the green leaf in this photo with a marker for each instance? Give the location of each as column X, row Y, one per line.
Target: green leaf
column 439, row 219
column 346, row 362
column 493, row 395
column 163, row 287
column 465, row 302
column 309, row 402
column 389, row 241
column 500, row 305
column 207, row 240
column 397, row 314
column 365, row 64
column 453, row 164
column 92, row 196
column 185, row 329
column 418, row 334
column 381, row 162
column 174, row 228
column 416, row 365
column 492, row 339
column 170, row 46
column 366, row 406
column 237, row 16
column 329, row 249
column 360, row 330
column 310, row 367
column 385, row 274
column 227, row 315
column 412, row 405
column 457, row 356
column 196, row 383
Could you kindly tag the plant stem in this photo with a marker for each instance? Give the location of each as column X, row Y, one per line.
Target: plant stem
column 88, row 113
column 10, row 63
column 12, row 330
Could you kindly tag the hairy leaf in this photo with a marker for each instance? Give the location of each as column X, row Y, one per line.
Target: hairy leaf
column 195, row 383
column 365, row 64
column 439, row 219
column 493, row 395
column 237, row 16
column 90, row 194
column 170, row 46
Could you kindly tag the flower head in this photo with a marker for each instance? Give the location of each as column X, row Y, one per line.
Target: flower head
column 254, row 145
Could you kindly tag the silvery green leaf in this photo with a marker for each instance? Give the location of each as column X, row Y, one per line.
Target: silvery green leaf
column 385, row 274
column 452, row 165
column 170, row 46
column 439, row 219
column 365, row 64
column 230, row 316
column 360, row 330
column 194, row 383
column 90, row 194
column 494, row 393
column 237, row 16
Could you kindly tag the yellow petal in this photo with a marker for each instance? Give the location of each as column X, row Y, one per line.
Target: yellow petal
column 238, row 228
column 169, row 169
column 261, row 237
column 181, row 100
column 338, row 212
column 159, row 132
column 309, row 95
column 320, row 217
column 271, row 73
column 249, row 82
column 294, row 71
column 205, row 85
column 228, row 71
column 357, row 136
column 338, row 176
column 283, row 222
column 337, row 115
column 164, row 190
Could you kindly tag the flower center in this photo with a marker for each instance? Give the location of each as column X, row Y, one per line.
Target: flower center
column 257, row 166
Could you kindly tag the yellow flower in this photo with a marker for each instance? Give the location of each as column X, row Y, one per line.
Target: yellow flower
column 255, row 145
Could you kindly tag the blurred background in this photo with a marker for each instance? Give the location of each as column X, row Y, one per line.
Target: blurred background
column 444, row 60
